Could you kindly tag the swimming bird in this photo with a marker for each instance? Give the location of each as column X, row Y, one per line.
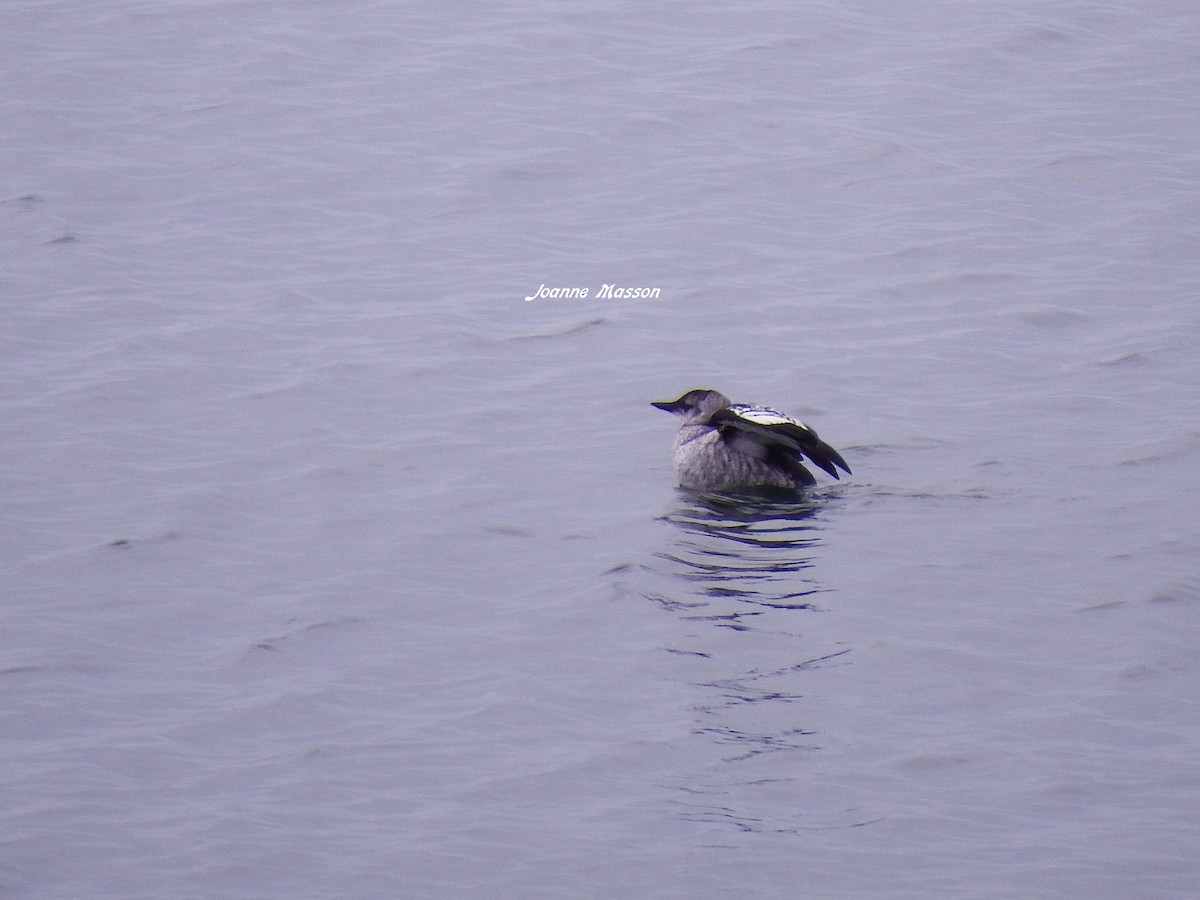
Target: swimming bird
column 723, row 446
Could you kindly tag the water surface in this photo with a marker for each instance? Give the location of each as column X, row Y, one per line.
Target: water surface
column 333, row 567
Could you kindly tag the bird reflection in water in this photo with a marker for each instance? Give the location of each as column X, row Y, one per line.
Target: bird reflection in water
column 747, row 565
column 751, row 550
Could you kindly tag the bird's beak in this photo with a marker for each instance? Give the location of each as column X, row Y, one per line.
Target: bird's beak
column 671, row 406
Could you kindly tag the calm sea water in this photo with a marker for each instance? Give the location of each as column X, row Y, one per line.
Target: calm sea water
column 332, row 567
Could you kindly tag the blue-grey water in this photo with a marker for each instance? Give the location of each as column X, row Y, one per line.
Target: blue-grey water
column 332, row 567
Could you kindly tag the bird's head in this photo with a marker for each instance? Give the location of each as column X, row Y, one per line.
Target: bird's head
column 695, row 407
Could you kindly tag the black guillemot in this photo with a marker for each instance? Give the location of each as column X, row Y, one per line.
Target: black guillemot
column 725, row 446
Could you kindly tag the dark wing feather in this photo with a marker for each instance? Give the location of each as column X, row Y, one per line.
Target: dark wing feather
column 775, row 429
column 789, row 461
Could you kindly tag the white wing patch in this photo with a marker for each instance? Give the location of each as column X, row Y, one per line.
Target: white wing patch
column 763, row 415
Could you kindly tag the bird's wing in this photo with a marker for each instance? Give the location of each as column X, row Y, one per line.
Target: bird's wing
column 773, row 428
